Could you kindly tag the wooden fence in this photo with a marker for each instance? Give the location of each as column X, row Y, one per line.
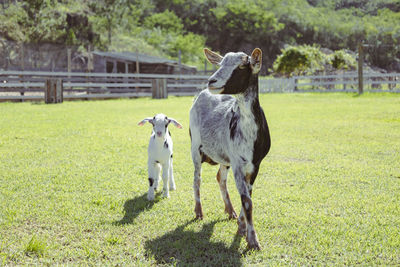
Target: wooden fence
column 346, row 82
column 30, row 85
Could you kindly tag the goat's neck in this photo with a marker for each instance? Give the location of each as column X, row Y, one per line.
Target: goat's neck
column 248, row 100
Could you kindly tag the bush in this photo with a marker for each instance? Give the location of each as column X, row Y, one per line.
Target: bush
column 343, row 60
column 300, row 60
column 306, row 60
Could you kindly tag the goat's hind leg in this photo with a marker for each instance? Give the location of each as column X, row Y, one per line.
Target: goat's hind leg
column 165, row 177
column 196, row 157
column 222, row 176
column 172, row 185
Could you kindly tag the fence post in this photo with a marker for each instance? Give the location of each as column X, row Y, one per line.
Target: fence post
column 390, row 85
column 344, row 80
column 69, row 61
column 53, row 91
column 360, row 69
column 159, row 88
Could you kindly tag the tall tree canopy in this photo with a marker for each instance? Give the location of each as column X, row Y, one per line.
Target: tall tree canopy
column 164, row 27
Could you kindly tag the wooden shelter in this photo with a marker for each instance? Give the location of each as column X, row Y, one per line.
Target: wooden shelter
column 127, row 62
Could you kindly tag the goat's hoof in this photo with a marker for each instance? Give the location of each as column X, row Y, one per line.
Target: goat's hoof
column 199, row 211
column 150, row 198
column 165, row 195
column 255, row 246
column 172, row 188
column 252, row 242
column 199, row 216
column 232, row 215
column 231, row 212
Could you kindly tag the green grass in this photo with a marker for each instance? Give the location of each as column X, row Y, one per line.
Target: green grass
column 73, row 184
column 36, row 247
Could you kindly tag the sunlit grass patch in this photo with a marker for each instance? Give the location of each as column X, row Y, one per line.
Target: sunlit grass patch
column 36, row 246
column 73, row 186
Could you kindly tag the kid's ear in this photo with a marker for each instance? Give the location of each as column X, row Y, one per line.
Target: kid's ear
column 149, row 119
column 177, row 124
column 212, row 57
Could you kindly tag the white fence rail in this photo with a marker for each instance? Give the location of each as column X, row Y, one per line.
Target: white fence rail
column 18, row 85
column 29, row 85
column 346, row 82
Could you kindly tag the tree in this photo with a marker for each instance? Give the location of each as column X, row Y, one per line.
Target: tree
column 108, row 14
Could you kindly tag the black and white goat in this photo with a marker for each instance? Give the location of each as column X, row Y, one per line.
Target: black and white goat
column 160, row 154
column 231, row 131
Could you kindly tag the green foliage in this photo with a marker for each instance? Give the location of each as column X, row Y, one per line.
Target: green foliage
column 165, row 26
column 291, row 61
column 297, row 60
column 165, row 32
column 12, row 22
column 167, row 21
column 340, row 59
column 38, row 21
column 246, row 18
column 343, row 25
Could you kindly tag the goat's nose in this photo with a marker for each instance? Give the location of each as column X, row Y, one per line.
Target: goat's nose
column 159, row 133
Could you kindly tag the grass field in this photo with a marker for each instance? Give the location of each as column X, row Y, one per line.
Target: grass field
column 73, row 184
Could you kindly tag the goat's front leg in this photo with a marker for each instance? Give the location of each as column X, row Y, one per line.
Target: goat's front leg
column 245, row 220
column 153, row 172
column 171, row 176
column 165, row 177
column 157, row 177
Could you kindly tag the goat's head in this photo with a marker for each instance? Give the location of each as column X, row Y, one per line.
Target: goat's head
column 235, row 71
column 160, row 124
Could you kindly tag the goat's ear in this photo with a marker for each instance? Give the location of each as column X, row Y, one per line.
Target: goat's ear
column 256, row 60
column 141, row 123
column 177, row 124
column 212, row 57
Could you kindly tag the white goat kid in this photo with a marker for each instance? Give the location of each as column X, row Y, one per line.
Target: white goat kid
column 231, row 131
column 160, row 154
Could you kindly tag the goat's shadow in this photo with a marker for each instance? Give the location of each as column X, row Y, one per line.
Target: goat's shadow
column 187, row 247
column 133, row 207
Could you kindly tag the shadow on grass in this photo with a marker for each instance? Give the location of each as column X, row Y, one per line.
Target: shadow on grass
column 133, row 207
column 186, row 247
